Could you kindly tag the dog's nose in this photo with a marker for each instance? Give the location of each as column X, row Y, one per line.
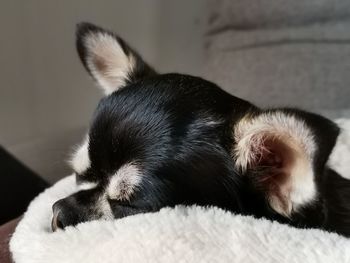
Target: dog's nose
column 64, row 215
column 57, row 217
column 56, row 220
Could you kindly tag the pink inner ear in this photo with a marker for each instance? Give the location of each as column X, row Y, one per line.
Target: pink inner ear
column 271, row 167
column 275, row 151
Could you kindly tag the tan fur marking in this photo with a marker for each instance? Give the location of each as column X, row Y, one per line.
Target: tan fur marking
column 123, row 184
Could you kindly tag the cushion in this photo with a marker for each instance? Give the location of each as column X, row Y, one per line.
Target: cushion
column 181, row 234
column 6, row 232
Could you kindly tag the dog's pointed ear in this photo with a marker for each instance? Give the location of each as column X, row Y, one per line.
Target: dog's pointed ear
column 283, row 152
column 108, row 59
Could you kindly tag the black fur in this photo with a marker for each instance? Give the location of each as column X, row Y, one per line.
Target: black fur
column 178, row 129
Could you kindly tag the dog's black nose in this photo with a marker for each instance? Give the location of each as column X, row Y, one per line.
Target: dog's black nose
column 56, row 220
column 64, row 214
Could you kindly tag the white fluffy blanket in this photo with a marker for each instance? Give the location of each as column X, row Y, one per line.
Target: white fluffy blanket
column 183, row 234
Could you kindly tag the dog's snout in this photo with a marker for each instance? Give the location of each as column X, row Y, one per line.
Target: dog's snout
column 64, row 215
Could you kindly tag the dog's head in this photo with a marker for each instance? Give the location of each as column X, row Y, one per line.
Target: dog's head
column 160, row 140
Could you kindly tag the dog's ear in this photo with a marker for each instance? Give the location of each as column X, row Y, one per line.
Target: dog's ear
column 108, row 59
column 283, row 152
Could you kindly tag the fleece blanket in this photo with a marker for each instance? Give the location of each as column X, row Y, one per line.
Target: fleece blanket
column 181, row 234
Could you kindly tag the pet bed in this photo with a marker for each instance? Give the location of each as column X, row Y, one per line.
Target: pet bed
column 181, row 234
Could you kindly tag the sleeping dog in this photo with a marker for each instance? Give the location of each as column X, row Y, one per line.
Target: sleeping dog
column 159, row 140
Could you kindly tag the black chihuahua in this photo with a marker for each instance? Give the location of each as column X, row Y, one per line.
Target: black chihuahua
column 160, row 140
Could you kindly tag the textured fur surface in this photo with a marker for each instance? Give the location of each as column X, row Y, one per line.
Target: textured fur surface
column 182, row 234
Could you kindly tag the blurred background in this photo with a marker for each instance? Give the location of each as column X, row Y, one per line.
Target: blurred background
column 47, row 98
column 290, row 53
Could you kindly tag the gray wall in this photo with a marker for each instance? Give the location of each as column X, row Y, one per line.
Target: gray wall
column 46, row 98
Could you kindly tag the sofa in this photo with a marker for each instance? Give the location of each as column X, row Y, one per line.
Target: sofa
column 281, row 53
